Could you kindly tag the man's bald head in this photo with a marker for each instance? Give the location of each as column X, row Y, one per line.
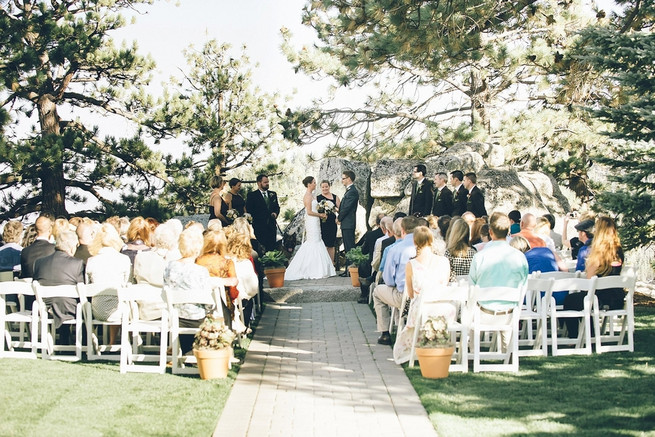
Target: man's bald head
column 43, row 226
column 528, row 221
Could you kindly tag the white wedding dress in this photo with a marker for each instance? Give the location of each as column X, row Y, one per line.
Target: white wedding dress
column 312, row 260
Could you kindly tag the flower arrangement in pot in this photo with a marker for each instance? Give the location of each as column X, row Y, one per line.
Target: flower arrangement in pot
column 354, row 258
column 212, row 347
column 274, row 262
column 434, row 348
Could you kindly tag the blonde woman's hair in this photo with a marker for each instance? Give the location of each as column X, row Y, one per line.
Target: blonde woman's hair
column 239, row 245
column 139, row 230
column 190, row 243
column 605, row 246
column 106, row 236
column 457, row 238
column 422, row 237
column 242, row 226
column 12, row 232
column 214, row 242
column 60, row 225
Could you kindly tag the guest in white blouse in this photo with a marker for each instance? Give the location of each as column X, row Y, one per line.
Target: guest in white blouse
column 107, row 266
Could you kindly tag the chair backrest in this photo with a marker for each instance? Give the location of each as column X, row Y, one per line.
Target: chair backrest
column 16, row 287
column 95, row 289
column 508, row 294
column 208, row 297
column 141, row 292
column 575, row 284
column 628, row 282
column 44, row 291
column 556, row 275
column 537, row 285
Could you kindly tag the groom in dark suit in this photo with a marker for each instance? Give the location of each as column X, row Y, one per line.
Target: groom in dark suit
column 263, row 206
column 348, row 209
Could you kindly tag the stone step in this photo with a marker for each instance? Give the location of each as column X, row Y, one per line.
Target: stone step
column 332, row 289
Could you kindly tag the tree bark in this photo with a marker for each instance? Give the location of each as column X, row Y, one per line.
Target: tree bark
column 53, row 183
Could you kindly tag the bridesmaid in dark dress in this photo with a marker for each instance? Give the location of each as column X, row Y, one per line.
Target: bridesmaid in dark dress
column 329, row 226
column 233, row 198
column 217, row 206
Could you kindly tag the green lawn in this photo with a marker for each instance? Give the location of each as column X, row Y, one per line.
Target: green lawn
column 609, row 394
column 92, row 399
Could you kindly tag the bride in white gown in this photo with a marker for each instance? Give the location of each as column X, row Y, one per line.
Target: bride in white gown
column 312, row 260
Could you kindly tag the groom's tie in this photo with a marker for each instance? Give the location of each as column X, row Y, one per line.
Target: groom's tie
column 265, row 194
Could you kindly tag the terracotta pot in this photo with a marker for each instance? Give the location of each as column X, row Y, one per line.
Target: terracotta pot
column 354, row 276
column 275, row 277
column 213, row 364
column 434, row 361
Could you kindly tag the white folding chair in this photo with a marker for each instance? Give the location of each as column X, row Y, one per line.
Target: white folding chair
column 581, row 344
column 133, row 355
column 607, row 321
column 95, row 349
column 533, row 335
column 487, row 306
column 432, row 304
column 49, row 346
column 396, row 318
column 173, row 298
column 15, row 325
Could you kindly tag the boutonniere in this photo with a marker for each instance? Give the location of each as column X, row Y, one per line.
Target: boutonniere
column 420, row 189
column 468, row 198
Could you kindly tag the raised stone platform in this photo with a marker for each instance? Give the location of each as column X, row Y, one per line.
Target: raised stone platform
column 332, row 289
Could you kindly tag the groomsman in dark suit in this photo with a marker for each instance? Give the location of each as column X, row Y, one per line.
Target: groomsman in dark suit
column 348, row 209
column 475, row 201
column 61, row 268
column 263, row 206
column 443, row 197
column 420, row 204
column 460, row 193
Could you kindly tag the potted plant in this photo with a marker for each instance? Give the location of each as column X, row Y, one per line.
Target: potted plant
column 212, row 347
column 434, row 349
column 355, row 257
column 274, row 263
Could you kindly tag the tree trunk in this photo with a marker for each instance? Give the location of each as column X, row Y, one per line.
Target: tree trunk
column 53, row 183
column 479, row 94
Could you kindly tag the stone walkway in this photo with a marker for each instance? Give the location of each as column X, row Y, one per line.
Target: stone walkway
column 315, row 369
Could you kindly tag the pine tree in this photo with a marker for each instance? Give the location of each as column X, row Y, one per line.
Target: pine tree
column 225, row 121
column 58, row 64
column 625, row 50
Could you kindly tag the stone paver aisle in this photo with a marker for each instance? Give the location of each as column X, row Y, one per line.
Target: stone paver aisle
column 315, row 369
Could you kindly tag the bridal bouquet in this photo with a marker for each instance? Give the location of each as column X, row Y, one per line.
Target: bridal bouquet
column 231, row 214
column 325, row 207
column 248, row 217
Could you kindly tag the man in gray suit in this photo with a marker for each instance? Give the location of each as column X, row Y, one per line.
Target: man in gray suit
column 347, row 210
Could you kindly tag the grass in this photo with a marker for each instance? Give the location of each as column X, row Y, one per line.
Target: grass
column 609, row 394
column 92, row 399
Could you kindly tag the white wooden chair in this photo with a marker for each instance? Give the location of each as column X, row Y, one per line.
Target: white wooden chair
column 173, row 298
column 607, row 322
column 487, row 305
column 49, row 346
column 581, row 344
column 432, row 303
column 20, row 329
column 95, row 349
column 133, row 356
column 533, row 335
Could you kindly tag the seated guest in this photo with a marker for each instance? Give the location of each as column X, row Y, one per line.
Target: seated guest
column 110, row 267
column 484, row 236
column 11, row 249
column 542, row 230
column 138, row 239
column 185, row 275
column 423, row 273
column 396, row 237
column 149, row 266
column 458, row 251
column 557, row 238
column 528, row 223
column 475, row 231
column 213, row 256
column 515, row 220
column 39, row 248
column 499, row 265
column 605, row 258
column 390, row 293
column 585, row 236
column 85, row 231
column 60, row 225
column 240, row 252
column 61, row 268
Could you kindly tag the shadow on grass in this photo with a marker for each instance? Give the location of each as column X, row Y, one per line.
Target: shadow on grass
column 608, row 394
